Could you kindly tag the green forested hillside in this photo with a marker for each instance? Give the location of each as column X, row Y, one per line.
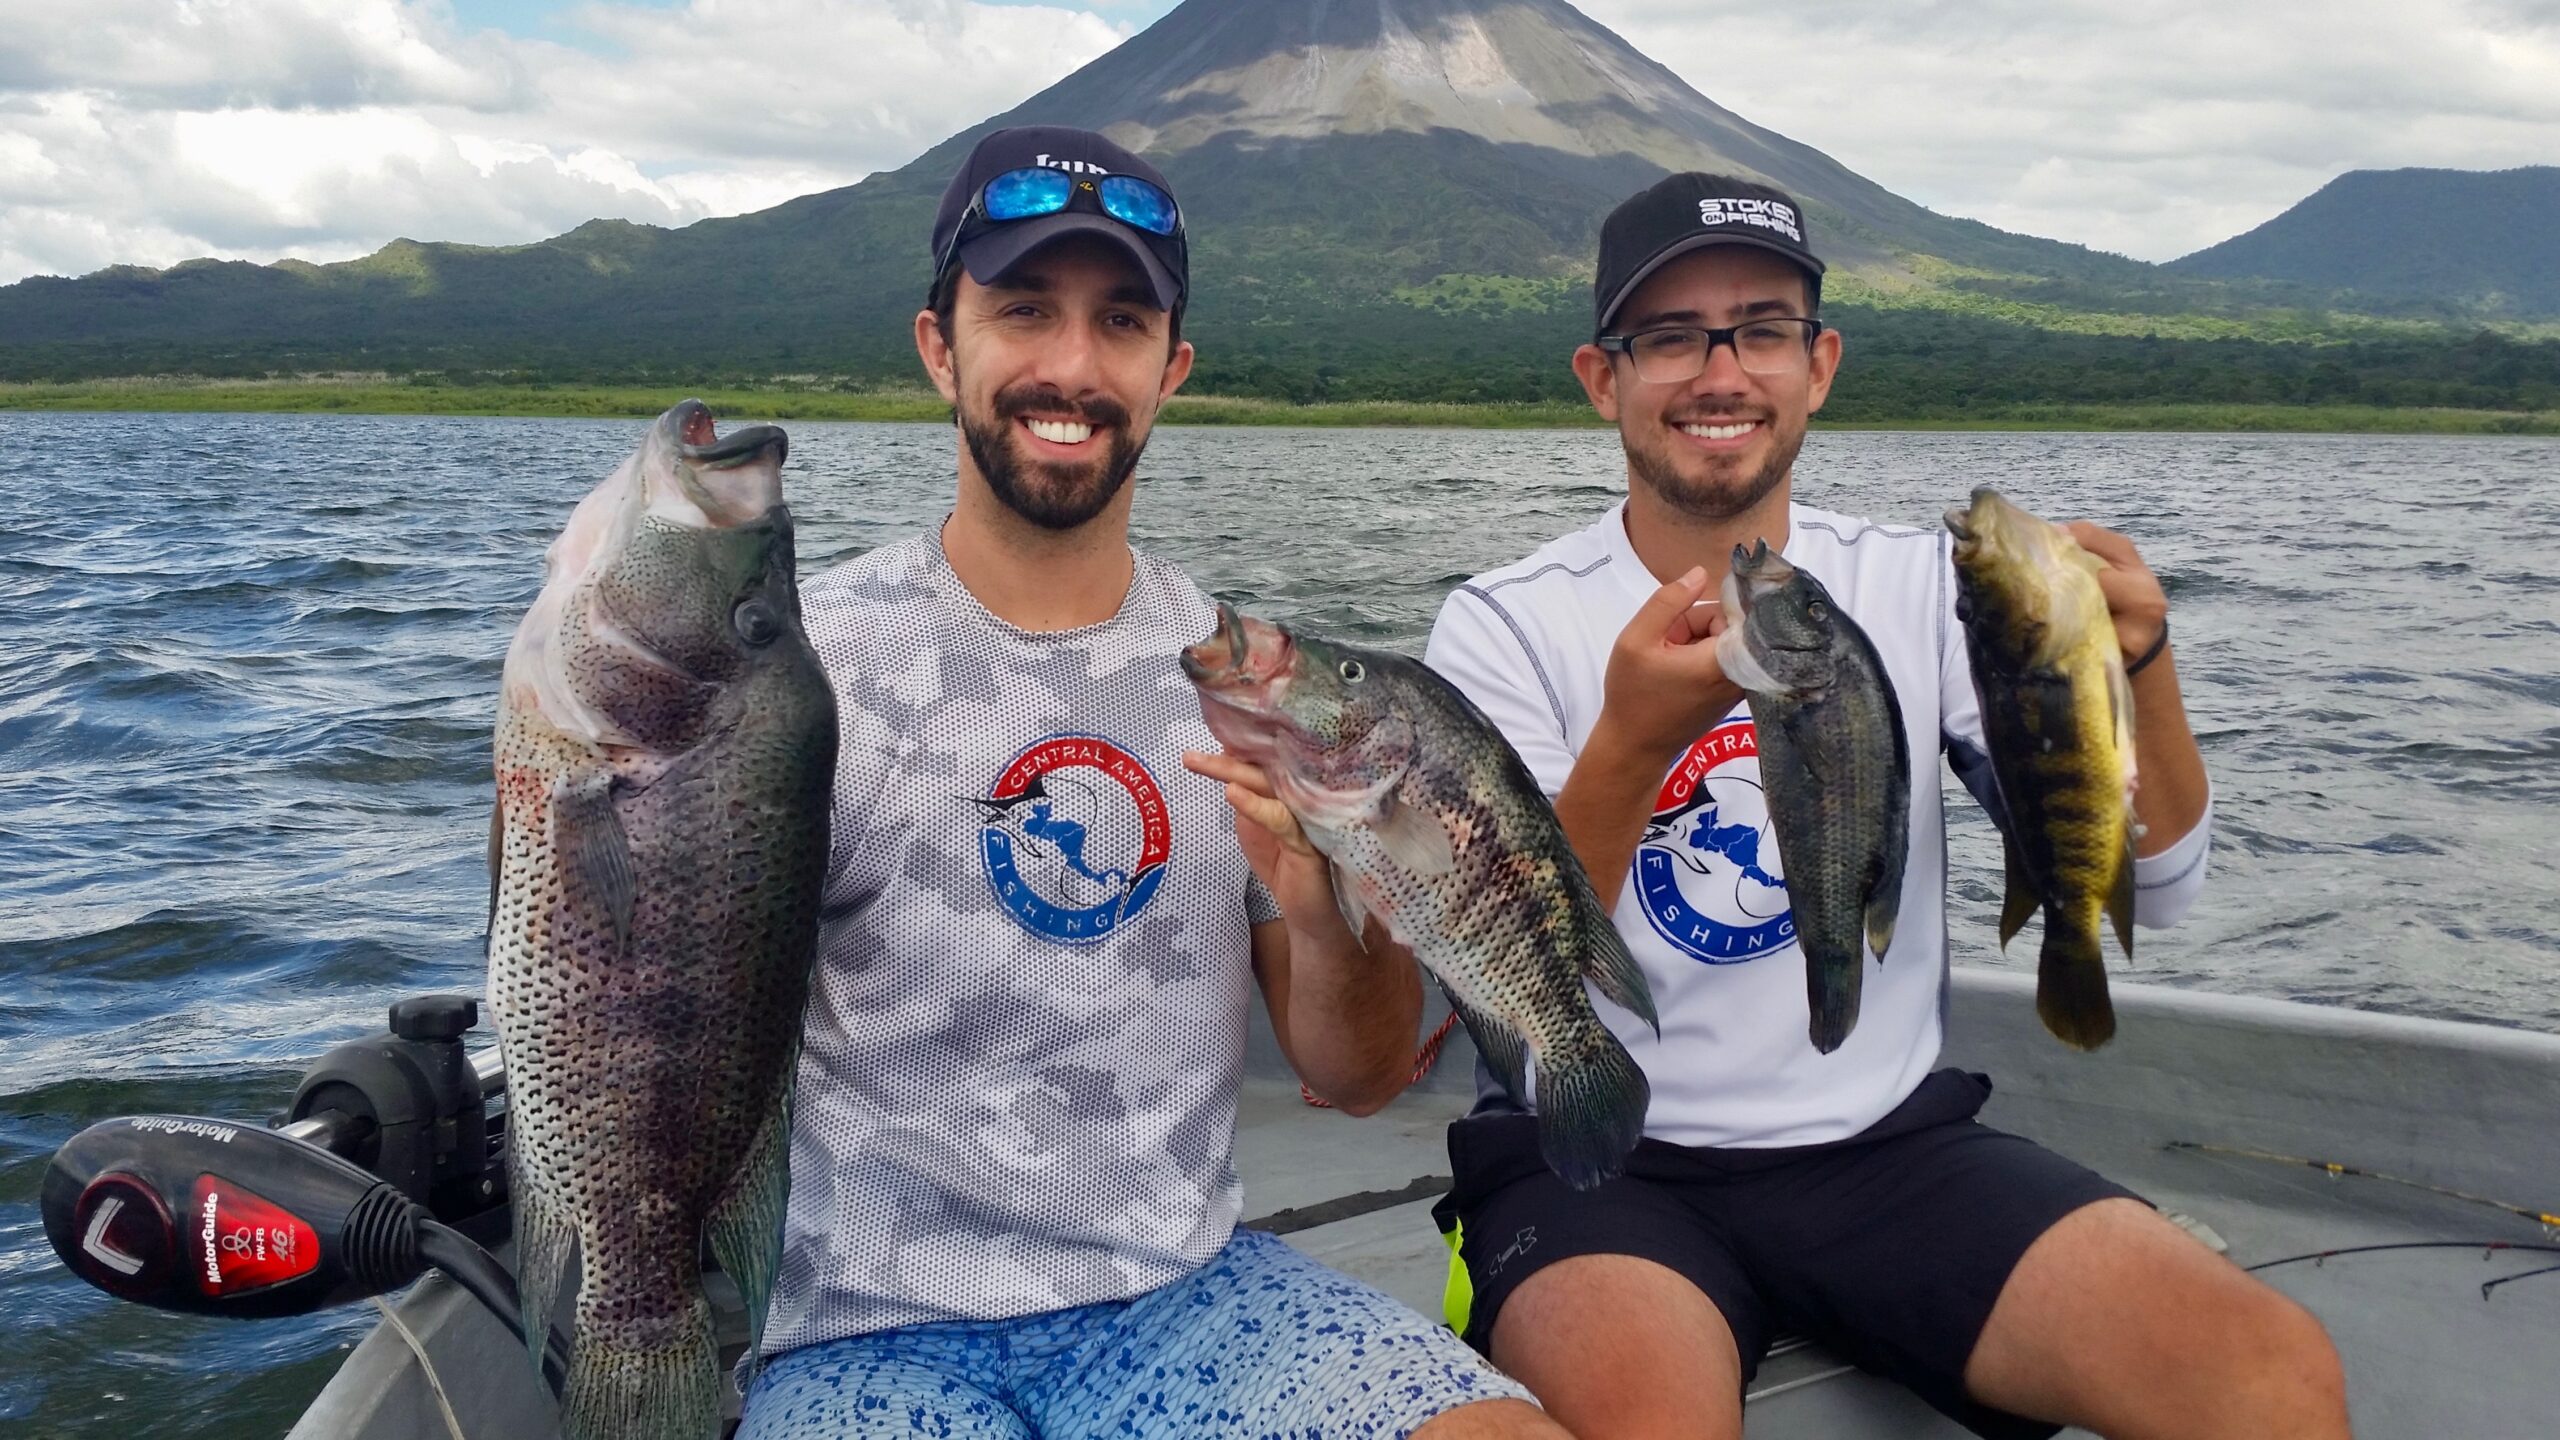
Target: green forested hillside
column 1358, row 233
column 2486, row 243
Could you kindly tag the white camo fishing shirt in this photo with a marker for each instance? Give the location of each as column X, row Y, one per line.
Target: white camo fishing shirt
column 1018, row 1088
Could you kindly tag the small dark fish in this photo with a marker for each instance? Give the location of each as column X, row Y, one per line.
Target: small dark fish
column 1835, row 766
column 2058, row 715
column 1434, row 826
column 666, row 746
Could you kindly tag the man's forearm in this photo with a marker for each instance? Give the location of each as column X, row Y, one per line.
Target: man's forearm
column 1604, row 805
column 2170, row 798
column 1351, row 1015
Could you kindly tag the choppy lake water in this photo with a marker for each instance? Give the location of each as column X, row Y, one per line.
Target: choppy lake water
column 248, row 664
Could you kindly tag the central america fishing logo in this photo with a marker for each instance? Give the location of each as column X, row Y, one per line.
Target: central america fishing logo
column 1075, row 838
column 1707, row 870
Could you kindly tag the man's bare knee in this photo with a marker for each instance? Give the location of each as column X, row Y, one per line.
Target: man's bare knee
column 1619, row 1348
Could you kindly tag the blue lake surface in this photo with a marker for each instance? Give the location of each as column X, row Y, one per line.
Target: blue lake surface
column 248, row 668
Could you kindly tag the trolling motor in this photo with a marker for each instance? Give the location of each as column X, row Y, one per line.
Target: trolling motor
column 384, row 1158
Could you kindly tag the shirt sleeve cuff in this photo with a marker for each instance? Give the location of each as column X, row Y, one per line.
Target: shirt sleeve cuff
column 2166, row 884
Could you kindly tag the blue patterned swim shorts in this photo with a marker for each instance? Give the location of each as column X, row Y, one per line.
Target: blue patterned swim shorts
column 1261, row 1343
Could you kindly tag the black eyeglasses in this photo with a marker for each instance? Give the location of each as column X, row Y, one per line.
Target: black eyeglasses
column 1671, row 354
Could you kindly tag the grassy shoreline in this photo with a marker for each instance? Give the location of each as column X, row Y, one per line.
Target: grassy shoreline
column 380, row 395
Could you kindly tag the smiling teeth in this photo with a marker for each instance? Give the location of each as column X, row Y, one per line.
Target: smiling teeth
column 1721, row 432
column 1061, row 432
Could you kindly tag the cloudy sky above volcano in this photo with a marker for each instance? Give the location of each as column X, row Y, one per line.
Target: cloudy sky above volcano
column 151, row 131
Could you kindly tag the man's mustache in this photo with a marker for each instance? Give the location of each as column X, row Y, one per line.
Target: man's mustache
column 1100, row 411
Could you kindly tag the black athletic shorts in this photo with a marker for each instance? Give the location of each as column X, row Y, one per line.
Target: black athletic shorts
column 1889, row 1247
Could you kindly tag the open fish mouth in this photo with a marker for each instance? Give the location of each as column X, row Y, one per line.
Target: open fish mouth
column 1241, row 660
column 695, row 437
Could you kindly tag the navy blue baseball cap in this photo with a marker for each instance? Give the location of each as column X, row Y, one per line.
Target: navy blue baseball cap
column 988, row 248
column 1690, row 211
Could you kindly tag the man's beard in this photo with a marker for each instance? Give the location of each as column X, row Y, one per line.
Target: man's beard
column 1719, row 496
column 1048, row 494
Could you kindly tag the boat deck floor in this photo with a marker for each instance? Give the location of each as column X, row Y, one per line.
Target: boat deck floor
column 2427, row 1352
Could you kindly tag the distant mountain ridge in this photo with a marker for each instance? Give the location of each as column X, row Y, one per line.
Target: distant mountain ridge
column 1395, row 198
column 2488, row 241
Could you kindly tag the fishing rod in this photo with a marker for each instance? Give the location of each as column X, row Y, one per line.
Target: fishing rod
column 2544, row 1218
column 387, row 1166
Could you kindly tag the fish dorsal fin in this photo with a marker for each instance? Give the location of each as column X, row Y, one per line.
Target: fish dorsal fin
column 1414, row 837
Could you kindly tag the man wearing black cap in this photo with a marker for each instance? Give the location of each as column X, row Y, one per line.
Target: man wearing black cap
column 1850, row 1195
column 1013, row 1193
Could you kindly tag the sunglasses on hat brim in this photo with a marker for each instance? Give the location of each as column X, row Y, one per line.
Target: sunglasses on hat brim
column 1037, row 190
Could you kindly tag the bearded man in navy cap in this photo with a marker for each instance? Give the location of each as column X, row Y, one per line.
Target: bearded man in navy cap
column 1013, row 1191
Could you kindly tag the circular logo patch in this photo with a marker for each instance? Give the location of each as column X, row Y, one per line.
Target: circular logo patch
column 1075, row 838
column 1707, row 870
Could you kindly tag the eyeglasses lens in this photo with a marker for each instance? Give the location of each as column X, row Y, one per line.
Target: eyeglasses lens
column 1133, row 201
column 1033, row 190
column 1670, row 357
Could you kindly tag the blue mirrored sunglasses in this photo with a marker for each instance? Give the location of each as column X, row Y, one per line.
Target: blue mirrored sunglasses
column 1037, row 190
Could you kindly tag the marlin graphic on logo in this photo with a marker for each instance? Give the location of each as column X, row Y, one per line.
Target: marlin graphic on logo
column 1055, row 835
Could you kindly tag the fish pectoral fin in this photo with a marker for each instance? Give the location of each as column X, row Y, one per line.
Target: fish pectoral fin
column 1346, row 898
column 745, row 1224
column 2021, row 902
column 1414, row 837
column 594, row 853
column 1501, row 1046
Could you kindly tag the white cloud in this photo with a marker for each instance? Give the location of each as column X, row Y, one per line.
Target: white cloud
column 151, row 131
column 143, row 132
column 2152, row 130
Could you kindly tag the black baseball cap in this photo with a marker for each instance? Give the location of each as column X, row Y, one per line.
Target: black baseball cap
column 1691, row 211
column 989, row 250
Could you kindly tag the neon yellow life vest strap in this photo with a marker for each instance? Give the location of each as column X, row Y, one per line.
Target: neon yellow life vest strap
column 1458, row 1294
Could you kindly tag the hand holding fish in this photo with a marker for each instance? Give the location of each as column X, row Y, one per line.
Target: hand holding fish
column 2135, row 600
column 1665, row 684
column 1274, row 844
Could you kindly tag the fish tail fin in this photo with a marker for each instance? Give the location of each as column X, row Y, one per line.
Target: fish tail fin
column 665, row 1391
column 1591, row 1104
column 2071, row 983
column 1612, row 970
column 1831, row 994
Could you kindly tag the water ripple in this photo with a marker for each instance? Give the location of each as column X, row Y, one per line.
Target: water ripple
column 244, row 733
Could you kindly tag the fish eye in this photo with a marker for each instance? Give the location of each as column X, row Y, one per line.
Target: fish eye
column 755, row 621
column 1817, row 610
column 1352, row 671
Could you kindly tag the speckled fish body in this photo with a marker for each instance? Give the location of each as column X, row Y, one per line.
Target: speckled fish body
column 1435, row 828
column 2058, row 716
column 1835, row 766
column 665, row 747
